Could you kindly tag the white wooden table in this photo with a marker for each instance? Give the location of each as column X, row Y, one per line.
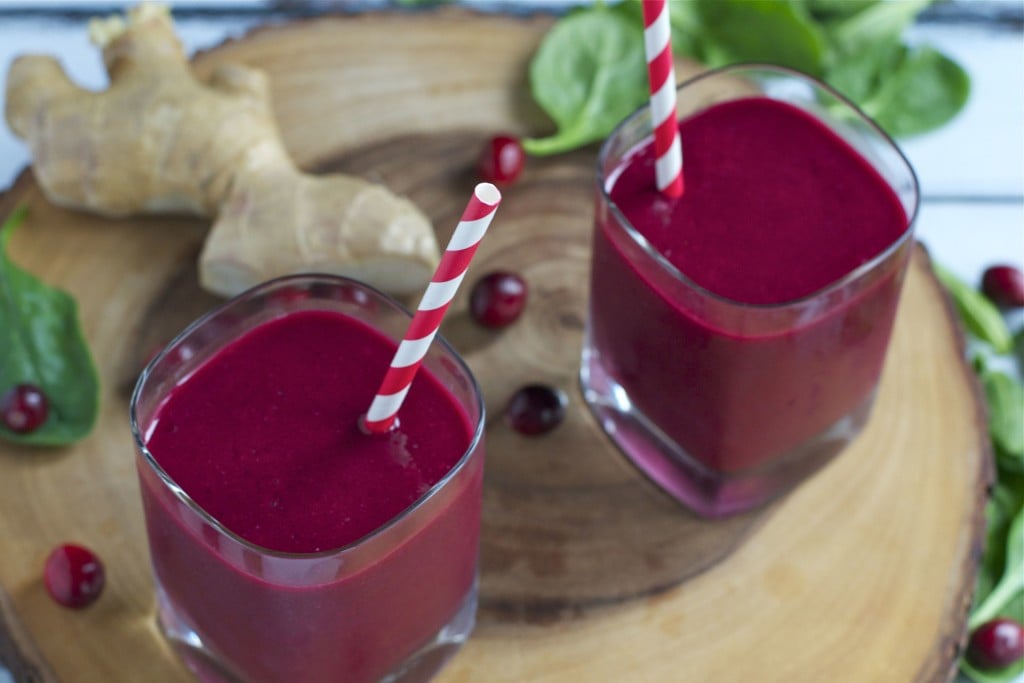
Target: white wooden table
column 971, row 171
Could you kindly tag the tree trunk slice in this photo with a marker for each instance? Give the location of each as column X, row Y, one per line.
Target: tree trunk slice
column 865, row 573
column 17, row 651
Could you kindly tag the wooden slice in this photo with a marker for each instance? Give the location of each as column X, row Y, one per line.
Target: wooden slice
column 863, row 574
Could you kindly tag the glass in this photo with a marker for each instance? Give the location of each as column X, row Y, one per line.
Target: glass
column 393, row 606
column 726, row 405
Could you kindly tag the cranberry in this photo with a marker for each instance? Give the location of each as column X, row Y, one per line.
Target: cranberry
column 74, row 576
column 501, row 160
column 24, row 408
column 996, row 644
column 535, row 409
column 497, row 299
column 1004, row 285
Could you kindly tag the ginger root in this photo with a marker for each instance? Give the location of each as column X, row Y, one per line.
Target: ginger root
column 160, row 141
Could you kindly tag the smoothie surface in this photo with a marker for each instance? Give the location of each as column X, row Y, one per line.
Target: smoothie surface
column 264, row 436
column 776, row 207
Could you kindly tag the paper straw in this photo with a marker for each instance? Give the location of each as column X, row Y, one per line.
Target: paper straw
column 658, row 47
column 425, row 323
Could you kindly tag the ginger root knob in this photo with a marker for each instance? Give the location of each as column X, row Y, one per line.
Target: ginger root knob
column 160, row 141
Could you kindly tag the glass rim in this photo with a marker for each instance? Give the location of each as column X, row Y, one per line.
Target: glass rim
column 380, row 531
column 677, row 275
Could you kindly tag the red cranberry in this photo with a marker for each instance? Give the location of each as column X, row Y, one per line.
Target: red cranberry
column 996, row 644
column 497, row 299
column 501, row 160
column 1004, row 285
column 74, row 576
column 535, row 409
column 24, row 408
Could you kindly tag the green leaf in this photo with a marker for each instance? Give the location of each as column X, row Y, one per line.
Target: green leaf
column 589, row 72
column 1006, row 418
column 906, row 90
column 1011, row 581
column 41, row 343
column 1018, row 349
column 864, row 47
column 830, row 9
column 1006, row 675
column 1007, row 498
column 858, row 76
column 684, row 22
column 979, row 361
column 1005, row 599
column 926, row 90
column 1014, row 608
column 588, row 75
column 880, row 24
column 990, row 567
column 687, row 30
column 980, row 316
column 780, row 33
column 999, row 587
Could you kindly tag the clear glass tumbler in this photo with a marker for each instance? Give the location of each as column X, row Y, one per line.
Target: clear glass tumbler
column 723, row 404
column 393, row 606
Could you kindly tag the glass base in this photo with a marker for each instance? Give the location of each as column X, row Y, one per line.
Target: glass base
column 707, row 492
column 419, row 667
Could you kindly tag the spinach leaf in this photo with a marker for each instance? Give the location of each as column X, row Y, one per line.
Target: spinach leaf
column 991, row 566
column 686, row 28
column 1018, row 348
column 41, row 343
column 1006, row 418
column 1003, row 598
column 588, row 74
column 906, row 90
column 879, row 24
column 926, row 90
column 1007, row 675
column 864, row 47
column 768, row 32
column 1007, row 498
column 999, row 588
column 1011, row 582
column 859, row 75
column 830, row 9
column 980, row 316
column 684, row 23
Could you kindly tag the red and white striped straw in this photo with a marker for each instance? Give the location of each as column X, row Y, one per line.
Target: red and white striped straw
column 425, row 323
column 668, row 165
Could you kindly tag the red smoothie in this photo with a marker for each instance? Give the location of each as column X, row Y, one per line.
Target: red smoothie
column 264, row 437
column 728, row 345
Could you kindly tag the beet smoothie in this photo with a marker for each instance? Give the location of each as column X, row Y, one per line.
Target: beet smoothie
column 263, row 436
column 724, row 324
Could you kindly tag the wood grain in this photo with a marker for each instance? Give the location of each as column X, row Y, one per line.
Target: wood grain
column 863, row 574
column 17, row 651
